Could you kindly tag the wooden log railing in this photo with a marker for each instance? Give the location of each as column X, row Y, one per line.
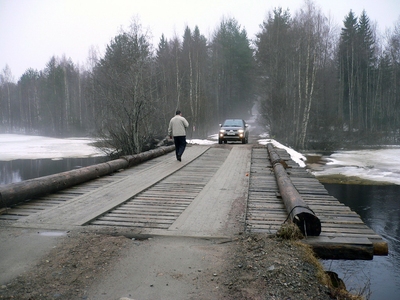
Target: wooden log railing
column 14, row 193
column 298, row 211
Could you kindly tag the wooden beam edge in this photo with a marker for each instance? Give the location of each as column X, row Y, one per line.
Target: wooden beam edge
column 341, row 248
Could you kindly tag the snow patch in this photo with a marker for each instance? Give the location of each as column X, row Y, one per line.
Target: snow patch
column 15, row 146
column 374, row 164
column 294, row 155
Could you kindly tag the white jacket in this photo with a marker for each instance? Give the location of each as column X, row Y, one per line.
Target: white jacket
column 177, row 126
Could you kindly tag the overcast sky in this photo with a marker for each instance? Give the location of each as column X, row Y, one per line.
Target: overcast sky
column 32, row 31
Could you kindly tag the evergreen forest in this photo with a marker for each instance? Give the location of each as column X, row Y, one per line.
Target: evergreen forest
column 317, row 85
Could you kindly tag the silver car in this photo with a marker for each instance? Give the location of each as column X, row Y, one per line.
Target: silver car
column 233, row 130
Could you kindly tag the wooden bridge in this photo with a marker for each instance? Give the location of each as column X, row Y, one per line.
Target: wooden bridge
column 216, row 191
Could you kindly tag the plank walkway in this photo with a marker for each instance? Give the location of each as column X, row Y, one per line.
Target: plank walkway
column 162, row 204
column 344, row 235
column 89, row 204
column 195, row 197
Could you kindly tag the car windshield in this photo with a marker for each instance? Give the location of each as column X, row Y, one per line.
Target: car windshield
column 233, row 123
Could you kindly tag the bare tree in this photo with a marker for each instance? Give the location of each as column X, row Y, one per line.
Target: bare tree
column 311, row 48
column 7, row 84
column 124, row 88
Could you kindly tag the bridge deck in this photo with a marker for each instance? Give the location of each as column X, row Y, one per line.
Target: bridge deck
column 343, row 236
column 212, row 188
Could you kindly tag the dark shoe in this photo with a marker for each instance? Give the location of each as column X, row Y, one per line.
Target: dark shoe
column 179, row 158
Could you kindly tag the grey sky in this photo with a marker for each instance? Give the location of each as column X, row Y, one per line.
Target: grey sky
column 32, row 31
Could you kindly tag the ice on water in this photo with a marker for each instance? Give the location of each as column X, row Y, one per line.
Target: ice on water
column 16, row 146
column 375, row 164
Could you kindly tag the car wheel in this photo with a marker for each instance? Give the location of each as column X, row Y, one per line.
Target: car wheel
column 225, row 141
column 219, row 141
column 243, row 140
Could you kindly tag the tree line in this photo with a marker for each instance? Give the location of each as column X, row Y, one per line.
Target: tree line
column 315, row 86
column 323, row 88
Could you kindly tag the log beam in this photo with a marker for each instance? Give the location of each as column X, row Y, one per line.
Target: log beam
column 17, row 192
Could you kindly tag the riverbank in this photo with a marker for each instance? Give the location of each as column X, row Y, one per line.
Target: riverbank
column 342, row 179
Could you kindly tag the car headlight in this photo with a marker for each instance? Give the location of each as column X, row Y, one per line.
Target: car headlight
column 222, row 130
column 240, row 130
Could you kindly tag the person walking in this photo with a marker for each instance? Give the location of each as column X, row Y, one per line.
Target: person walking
column 177, row 130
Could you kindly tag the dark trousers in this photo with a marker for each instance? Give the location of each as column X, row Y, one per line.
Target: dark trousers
column 180, row 145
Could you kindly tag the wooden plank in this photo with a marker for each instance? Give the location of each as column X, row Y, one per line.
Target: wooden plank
column 257, row 222
column 141, row 213
column 128, row 224
column 157, row 203
column 87, row 207
column 344, row 235
column 154, row 206
column 145, row 198
column 275, row 206
column 20, row 212
column 272, row 211
column 34, row 205
column 137, row 218
column 182, row 187
column 256, row 218
column 9, row 217
column 343, row 229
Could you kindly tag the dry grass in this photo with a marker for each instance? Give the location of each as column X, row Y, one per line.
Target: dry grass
column 290, row 231
column 338, row 292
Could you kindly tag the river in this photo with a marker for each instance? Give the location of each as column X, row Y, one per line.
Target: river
column 378, row 206
column 24, row 157
column 23, row 169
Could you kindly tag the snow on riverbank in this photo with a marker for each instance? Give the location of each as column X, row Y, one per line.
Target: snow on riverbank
column 382, row 165
column 16, row 146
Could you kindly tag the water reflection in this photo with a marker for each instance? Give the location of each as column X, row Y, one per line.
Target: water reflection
column 23, row 169
column 378, row 207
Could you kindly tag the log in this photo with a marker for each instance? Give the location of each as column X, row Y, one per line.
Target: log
column 298, row 211
column 380, row 247
column 341, row 248
column 17, row 192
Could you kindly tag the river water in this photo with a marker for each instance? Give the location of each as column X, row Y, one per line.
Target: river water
column 24, row 157
column 24, row 169
column 379, row 207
